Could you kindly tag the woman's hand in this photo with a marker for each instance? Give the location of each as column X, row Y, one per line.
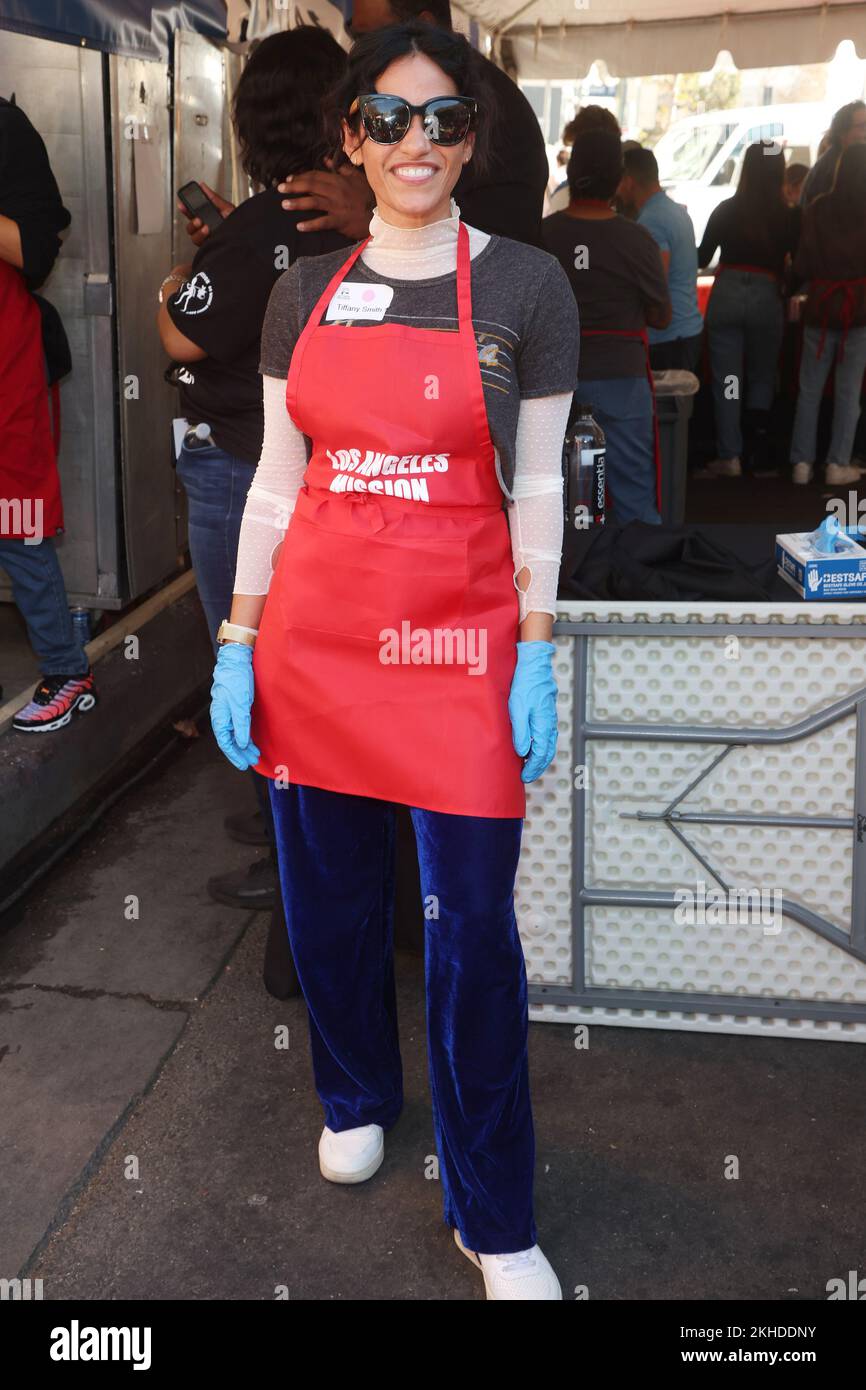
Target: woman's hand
column 532, row 707
column 231, row 703
column 199, row 231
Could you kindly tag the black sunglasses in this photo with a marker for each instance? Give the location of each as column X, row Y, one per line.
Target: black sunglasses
column 446, row 120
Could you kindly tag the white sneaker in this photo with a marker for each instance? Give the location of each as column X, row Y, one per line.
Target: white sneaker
column 802, row 473
column 725, row 468
column 836, row 473
column 352, row 1155
column 526, row 1275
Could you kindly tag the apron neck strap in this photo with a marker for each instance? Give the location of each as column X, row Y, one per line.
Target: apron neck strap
column 464, row 278
column 464, row 281
column 331, row 288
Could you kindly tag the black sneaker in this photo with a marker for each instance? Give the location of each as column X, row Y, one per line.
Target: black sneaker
column 247, row 827
column 255, row 887
column 54, row 702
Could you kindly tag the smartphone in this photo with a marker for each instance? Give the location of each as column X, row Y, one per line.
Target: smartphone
column 198, row 204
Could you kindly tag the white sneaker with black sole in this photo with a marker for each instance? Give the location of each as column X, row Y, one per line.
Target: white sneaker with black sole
column 524, row 1276
column 351, row 1155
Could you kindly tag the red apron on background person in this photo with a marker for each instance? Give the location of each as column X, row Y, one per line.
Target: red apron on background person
column 851, row 290
column 29, row 482
column 641, row 335
column 399, row 528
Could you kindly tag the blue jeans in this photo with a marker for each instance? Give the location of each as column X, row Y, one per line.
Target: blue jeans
column 745, row 323
column 623, row 406
column 40, row 593
column 216, row 486
column 847, row 385
column 336, row 861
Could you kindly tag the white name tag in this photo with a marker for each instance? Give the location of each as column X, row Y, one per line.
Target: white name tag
column 354, row 301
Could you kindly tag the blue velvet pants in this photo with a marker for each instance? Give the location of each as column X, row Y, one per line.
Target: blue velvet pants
column 336, row 861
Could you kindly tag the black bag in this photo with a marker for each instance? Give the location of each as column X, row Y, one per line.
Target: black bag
column 58, row 357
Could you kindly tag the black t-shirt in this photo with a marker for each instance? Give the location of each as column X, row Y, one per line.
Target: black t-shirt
column 617, row 273
column 742, row 243
column 222, row 307
column 29, row 194
column 509, row 199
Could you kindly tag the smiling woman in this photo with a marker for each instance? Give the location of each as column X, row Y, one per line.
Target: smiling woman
column 413, row 120
column 416, row 393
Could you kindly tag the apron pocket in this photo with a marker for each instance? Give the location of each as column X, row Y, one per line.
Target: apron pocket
column 359, row 586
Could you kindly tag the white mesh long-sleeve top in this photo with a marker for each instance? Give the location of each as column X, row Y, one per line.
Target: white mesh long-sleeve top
column 526, row 327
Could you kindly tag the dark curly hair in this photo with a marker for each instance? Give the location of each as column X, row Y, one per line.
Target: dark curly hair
column 277, row 107
column 373, row 52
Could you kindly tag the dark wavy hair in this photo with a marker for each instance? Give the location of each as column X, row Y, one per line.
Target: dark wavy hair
column 373, row 52
column 847, row 197
column 277, row 107
column 843, row 121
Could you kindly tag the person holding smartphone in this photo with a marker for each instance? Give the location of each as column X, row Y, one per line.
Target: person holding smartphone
column 210, row 323
column 416, row 396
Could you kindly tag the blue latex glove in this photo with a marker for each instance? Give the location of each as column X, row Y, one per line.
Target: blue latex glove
column 532, row 707
column 829, row 537
column 231, row 702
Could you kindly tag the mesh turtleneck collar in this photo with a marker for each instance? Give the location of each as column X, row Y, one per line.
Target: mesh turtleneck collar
column 420, row 240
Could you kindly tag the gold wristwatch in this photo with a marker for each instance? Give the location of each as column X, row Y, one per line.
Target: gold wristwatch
column 233, row 632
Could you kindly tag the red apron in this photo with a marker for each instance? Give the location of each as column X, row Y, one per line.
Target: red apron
column 386, row 647
column 848, row 290
column 642, row 336
column 29, row 484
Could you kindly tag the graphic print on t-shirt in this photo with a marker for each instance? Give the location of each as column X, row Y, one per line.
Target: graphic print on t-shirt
column 196, row 295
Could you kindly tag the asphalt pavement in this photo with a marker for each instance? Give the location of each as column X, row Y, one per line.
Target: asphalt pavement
column 159, row 1125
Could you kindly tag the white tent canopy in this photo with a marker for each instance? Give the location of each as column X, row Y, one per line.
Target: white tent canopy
column 635, row 38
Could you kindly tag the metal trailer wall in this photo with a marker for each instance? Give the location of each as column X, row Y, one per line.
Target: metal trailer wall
column 124, row 514
column 727, row 748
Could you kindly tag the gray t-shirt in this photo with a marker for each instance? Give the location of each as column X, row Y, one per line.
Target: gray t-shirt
column 523, row 313
column 616, row 272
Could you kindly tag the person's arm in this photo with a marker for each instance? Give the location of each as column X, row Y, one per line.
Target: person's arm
column 547, row 378
column 658, row 315
column 536, row 517
column 278, row 477
column 178, row 347
column 10, row 243
column 269, row 506
column 218, row 312
column 711, row 238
